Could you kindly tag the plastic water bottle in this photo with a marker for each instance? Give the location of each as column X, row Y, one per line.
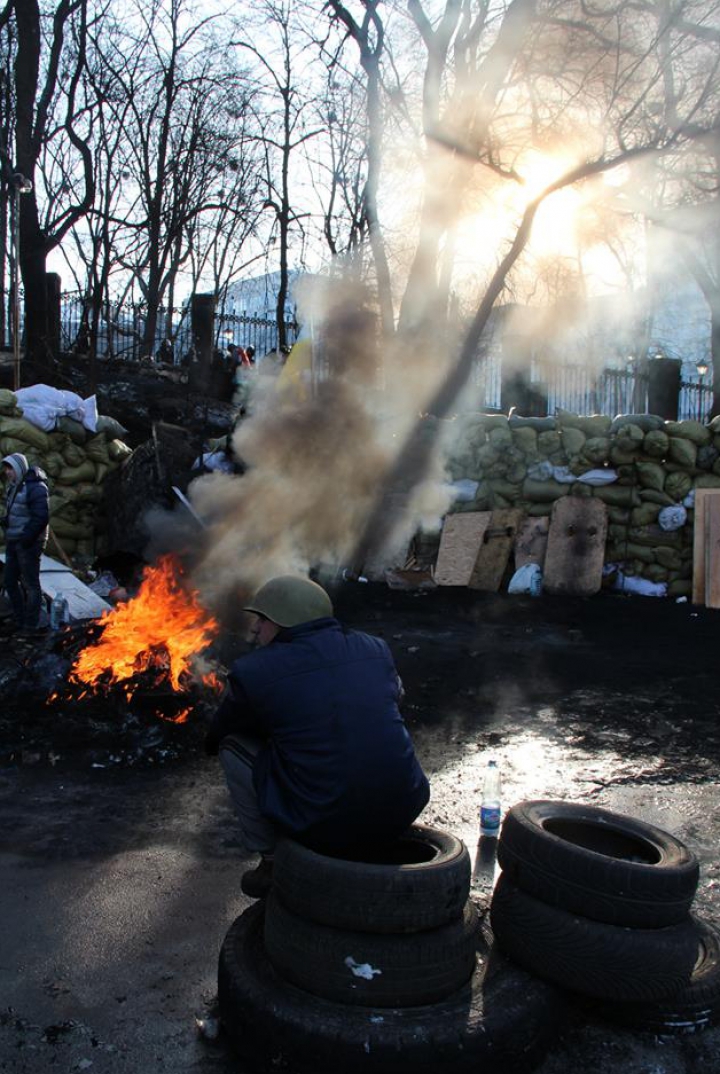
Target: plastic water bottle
column 59, row 611
column 490, row 805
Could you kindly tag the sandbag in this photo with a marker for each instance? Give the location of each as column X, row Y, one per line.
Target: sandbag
column 678, row 485
column 645, row 514
column 543, row 491
column 689, row 429
column 683, row 452
column 596, row 449
column 618, row 495
column 707, row 481
column 505, row 489
column 96, row 448
column 515, row 421
column 73, row 455
column 62, row 528
column 73, row 475
column 525, row 438
column 573, row 440
column 8, row 403
column 646, row 422
column 590, row 424
column 669, row 558
column 72, row 428
column 620, row 457
column 87, row 493
column 655, row 572
column 707, row 457
column 629, row 437
column 656, row 443
column 60, row 508
column 654, row 537
column 21, row 429
column 650, row 475
column 656, row 496
column 500, row 436
column 9, row 446
column 549, row 442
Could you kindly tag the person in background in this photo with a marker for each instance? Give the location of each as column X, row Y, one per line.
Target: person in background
column 25, row 522
column 310, row 735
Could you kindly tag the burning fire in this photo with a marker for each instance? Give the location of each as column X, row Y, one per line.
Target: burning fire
column 155, row 636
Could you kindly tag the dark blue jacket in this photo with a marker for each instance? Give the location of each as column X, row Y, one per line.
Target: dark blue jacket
column 27, row 512
column 338, row 766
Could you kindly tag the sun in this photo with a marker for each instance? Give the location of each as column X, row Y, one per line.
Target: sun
column 555, row 226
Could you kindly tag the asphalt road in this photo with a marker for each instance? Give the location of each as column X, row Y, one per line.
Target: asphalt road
column 118, row 885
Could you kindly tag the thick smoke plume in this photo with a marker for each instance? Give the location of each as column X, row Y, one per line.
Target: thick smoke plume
column 316, row 455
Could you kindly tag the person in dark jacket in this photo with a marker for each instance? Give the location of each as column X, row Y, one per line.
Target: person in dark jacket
column 26, row 531
column 309, row 732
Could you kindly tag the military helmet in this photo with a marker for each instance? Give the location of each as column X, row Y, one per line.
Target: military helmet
column 289, row 600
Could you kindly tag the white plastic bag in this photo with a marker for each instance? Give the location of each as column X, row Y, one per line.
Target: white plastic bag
column 672, row 518
column 527, row 579
column 464, row 490
column 598, row 477
column 43, row 405
column 642, row 586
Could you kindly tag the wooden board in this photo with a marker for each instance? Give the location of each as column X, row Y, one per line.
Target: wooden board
column 460, row 541
column 702, row 499
column 712, row 550
column 494, row 552
column 531, row 542
column 56, row 577
column 576, row 547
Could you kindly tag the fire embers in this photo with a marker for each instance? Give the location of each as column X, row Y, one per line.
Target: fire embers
column 154, row 640
column 142, row 662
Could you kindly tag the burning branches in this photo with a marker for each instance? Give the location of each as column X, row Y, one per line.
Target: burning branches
column 151, row 643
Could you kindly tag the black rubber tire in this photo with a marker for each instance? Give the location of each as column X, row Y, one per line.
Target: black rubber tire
column 592, row 958
column 360, row 968
column 503, row 1020
column 603, row 865
column 695, row 1008
column 417, row 882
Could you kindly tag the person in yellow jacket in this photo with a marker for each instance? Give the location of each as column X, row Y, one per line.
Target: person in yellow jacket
column 295, row 378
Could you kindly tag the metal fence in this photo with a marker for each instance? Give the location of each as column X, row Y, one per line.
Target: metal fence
column 568, row 385
column 122, row 329
column 577, row 388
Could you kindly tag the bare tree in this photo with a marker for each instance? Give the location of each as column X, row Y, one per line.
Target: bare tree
column 282, row 108
column 49, row 64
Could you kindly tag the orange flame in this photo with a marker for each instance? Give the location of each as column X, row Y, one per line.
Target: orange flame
column 160, row 631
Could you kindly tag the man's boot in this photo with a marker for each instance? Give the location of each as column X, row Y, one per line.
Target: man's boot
column 257, row 882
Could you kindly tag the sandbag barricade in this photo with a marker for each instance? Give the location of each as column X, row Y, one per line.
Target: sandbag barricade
column 76, row 461
column 642, row 467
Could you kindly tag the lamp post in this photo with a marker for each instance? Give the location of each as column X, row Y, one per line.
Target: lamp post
column 21, row 185
column 702, row 368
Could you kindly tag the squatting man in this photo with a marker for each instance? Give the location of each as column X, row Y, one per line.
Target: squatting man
column 309, row 732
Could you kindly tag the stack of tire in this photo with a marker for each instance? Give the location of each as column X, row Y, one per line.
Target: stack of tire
column 380, row 965
column 599, row 903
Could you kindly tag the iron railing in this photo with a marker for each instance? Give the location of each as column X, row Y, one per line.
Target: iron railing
column 568, row 385
column 122, row 330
